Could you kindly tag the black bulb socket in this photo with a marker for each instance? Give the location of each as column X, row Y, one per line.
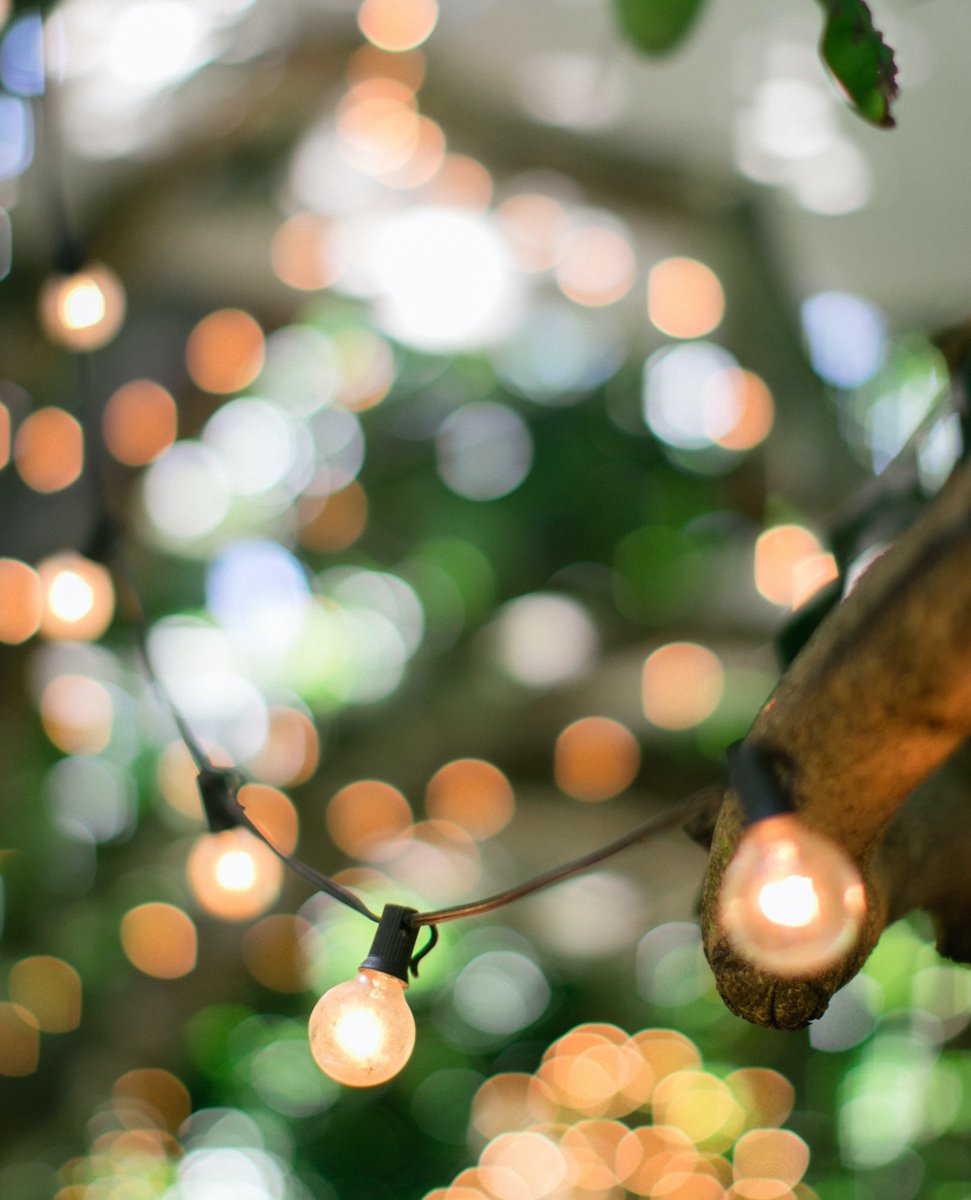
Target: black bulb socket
column 394, row 943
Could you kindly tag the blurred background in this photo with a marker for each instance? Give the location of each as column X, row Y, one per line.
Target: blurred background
column 472, row 416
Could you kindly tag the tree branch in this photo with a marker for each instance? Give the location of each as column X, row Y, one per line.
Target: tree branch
column 879, row 697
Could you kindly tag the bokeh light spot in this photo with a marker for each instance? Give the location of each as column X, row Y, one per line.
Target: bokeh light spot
column 225, row 351
column 510, row 1101
column 140, row 422
column 291, row 751
column 545, row 639
column 233, row 875
column 160, row 940
column 76, row 712
column 152, row 1096
column 78, row 598
column 790, row 564
column 484, row 450
column 50, row 989
column 397, row 25
column 474, row 794
column 595, row 758
column 272, row 951
column 21, row 599
column 846, row 336
column 681, row 685
column 83, row 311
column 334, row 522
column 272, row 813
column 771, row 1154
column 19, row 1040
column 366, row 817
column 684, row 298
column 49, row 450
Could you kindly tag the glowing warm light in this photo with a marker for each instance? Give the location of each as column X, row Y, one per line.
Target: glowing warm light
column 291, row 751
column 20, row 601
column 474, row 794
column 511, row 1100
column 83, row 311
column 19, row 1040
column 273, row 952
column 49, row 450
column 397, row 25
column 771, row 1154
column 364, row 819
column 596, row 265
column 534, row 225
column 362, row 1032
column 790, row 564
column 649, row 1155
column 684, row 298
column 140, row 422
column 50, row 989
column 702, row 1106
column 233, row 875
column 160, row 940
column 791, row 902
column 302, row 253
column 4, row 435
column 595, row 758
column 681, row 685
column 766, row 1096
column 461, row 182
column 152, row 1097
column 754, row 412
column 76, row 712
column 273, row 814
column 78, row 598
column 425, row 160
column 535, row 1159
column 225, row 351
column 378, row 127
column 335, row 522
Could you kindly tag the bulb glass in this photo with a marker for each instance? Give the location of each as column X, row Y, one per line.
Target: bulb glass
column 362, row 1032
column 792, row 903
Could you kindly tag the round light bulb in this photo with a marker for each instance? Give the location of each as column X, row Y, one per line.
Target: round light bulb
column 791, row 901
column 362, row 1032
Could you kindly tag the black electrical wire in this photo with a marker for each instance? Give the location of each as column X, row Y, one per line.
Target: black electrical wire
column 668, row 818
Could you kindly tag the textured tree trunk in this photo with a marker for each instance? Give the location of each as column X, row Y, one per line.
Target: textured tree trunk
column 879, row 697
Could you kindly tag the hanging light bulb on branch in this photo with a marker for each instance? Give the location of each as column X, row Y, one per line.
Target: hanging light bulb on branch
column 362, row 1032
column 792, row 902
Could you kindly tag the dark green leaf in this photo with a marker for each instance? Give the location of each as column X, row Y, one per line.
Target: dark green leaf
column 860, row 60
column 656, row 26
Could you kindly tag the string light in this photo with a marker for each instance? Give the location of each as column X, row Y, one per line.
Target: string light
column 791, row 901
column 362, row 1032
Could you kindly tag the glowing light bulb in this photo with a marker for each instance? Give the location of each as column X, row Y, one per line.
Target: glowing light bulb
column 791, row 901
column 362, row 1032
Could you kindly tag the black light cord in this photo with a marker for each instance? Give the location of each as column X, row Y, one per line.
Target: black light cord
column 668, row 818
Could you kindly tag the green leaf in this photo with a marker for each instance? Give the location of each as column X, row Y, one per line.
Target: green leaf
column 860, row 60
column 656, row 26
